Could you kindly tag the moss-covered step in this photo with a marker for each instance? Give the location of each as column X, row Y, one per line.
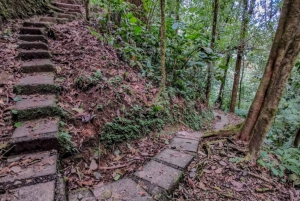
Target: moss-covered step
column 43, row 65
column 32, row 30
column 33, row 45
column 32, row 38
column 35, row 106
column 34, row 54
column 67, row 1
column 42, row 83
column 66, row 6
column 36, row 24
column 40, row 134
column 66, row 16
column 54, row 20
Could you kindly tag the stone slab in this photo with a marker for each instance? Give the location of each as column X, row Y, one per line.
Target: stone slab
column 43, row 65
column 32, row 30
column 64, row 5
column 34, row 54
column 37, row 192
column 189, row 135
column 33, row 45
column 82, row 194
column 39, row 78
column 53, row 20
column 67, row 16
column 18, row 168
column 174, row 157
column 159, row 174
column 33, row 38
column 38, row 134
column 35, row 106
column 184, row 144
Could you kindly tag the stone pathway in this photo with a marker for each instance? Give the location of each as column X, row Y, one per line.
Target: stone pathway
column 30, row 172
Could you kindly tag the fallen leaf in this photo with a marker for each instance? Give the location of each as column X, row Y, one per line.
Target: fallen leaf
column 79, row 110
column 219, row 170
column 93, row 165
column 191, row 183
column 222, row 163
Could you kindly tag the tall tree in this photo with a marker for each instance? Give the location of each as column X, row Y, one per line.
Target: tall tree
column 212, row 46
column 163, row 44
column 282, row 58
column 247, row 13
column 297, row 138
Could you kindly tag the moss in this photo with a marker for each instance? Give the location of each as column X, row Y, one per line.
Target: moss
column 43, row 88
column 37, row 113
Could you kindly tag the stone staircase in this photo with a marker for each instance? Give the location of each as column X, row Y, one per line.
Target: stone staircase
column 31, row 170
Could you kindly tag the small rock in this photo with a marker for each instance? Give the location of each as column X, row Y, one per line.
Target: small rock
column 17, row 182
column 93, row 165
column 106, row 194
column 192, row 174
column 80, row 196
column 16, row 169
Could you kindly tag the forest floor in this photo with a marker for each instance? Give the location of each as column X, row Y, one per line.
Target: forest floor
column 78, row 55
column 219, row 173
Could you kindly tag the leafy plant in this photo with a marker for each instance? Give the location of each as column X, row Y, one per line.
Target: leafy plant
column 65, row 143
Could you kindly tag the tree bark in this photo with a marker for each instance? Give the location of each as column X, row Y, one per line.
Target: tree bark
column 241, row 85
column 212, row 46
column 297, row 138
column 279, row 47
column 245, row 21
column 87, row 10
column 281, row 65
column 163, row 44
column 219, row 100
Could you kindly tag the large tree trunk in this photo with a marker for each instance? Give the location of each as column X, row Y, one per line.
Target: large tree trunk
column 279, row 47
column 245, row 21
column 163, row 44
column 281, row 65
column 219, row 100
column 212, row 46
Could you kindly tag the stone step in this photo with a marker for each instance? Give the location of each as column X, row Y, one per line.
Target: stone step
column 38, row 134
column 28, row 169
column 187, row 145
column 189, row 135
column 174, row 158
column 77, row 14
column 36, row 24
column 66, row 16
column 158, row 178
column 33, row 45
column 32, row 31
column 42, row 83
column 35, row 106
column 124, row 189
column 54, row 20
column 34, row 54
column 36, row 192
column 32, row 38
column 67, row 6
column 66, row 1
column 43, row 65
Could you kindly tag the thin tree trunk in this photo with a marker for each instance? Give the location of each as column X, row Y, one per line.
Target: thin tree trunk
column 163, row 44
column 177, row 14
column 288, row 47
column 276, row 56
column 219, row 100
column 245, row 21
column 87, row 10
column 297, row 138
column 212, row 46
column 241, row 84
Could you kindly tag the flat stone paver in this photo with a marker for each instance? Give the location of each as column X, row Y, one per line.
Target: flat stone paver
column 175, row 158
column 184, row 144
column 159, row 174
column 40, row 78
column 81, row 195
column 189, row 135
column 33, row 45
column 33, row 38
column 34, row 54
column 37, row 192
column 37, row 101
column 27, row 166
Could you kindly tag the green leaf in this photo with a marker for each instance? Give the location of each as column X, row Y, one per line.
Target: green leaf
column 14, row 111
column 79, row 110
column 17, row 99
column 208, row 50
column 117, row 177
column 167, row 142
column 18, row 124
column 133, row 20
column 137, row 29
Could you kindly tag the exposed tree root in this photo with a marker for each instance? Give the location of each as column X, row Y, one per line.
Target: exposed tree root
column 226, row 132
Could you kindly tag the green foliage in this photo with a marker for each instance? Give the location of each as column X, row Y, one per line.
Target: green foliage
column 136, row 123
column 65, row 143
column 289, row 160
column 85, row 82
